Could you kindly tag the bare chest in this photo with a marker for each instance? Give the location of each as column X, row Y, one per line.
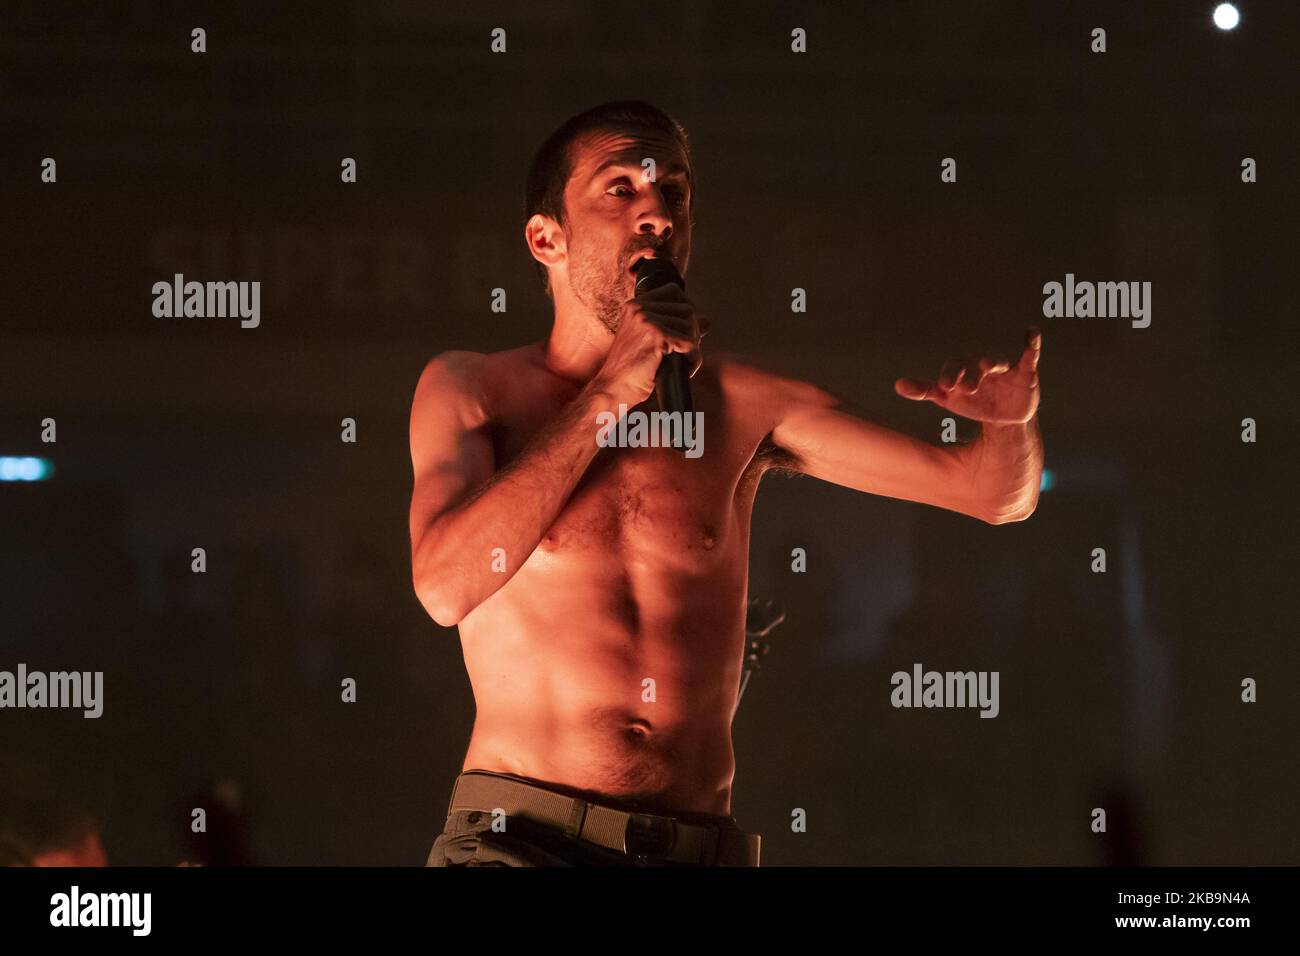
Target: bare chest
column 654, row 504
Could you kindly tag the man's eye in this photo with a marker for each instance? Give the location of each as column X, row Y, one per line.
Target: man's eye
column 622, row 186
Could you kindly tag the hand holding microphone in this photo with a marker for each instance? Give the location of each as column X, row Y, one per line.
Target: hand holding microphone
column 673, row 381
column 657, row 346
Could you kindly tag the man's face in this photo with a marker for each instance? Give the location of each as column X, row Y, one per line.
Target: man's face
column 615, row 215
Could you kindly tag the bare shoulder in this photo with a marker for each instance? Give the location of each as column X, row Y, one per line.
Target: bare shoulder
column 762, row 384
column 451, row 381
column 764, row 396
column 448, row 369
column 467, row 381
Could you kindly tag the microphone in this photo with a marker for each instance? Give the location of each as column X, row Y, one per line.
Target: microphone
column 673, row 380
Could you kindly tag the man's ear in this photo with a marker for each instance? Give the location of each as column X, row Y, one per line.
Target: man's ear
column 545, row 238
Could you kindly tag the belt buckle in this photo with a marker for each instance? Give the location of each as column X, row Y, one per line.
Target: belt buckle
column 647, row 835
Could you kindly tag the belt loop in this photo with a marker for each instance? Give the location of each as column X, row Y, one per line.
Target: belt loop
column 454, row 787
column 712, row 847
column 577, row 814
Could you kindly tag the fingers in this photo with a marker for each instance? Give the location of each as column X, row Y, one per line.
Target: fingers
column 969, row 376
column 966, row 377
column 664, row 308
column 1028, row 363
column 673, row 324
column 955, row 376
column 673, row 342
column 983, row 369
column 680, row 311
column 673, row 316
column 679, row 337
column 678, row 324
column 951, row 373
column 669, row 292
column 990, row 365
column 916, row 389
column 963, row 377
column 677, row 334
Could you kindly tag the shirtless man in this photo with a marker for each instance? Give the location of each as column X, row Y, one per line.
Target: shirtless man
column 600, row 592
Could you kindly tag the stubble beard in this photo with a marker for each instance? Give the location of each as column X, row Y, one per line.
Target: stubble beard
column 602, row 288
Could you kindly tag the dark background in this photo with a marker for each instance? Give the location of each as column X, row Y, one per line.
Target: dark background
column 1119, row 690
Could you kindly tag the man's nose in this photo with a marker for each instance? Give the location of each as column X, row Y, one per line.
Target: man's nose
column 655, row 217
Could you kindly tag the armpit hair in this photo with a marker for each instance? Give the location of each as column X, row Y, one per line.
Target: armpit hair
column 772, row 459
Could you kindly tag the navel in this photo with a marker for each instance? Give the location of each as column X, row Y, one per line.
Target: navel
column 637, row 729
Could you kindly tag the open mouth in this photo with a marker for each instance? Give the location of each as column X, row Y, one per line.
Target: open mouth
column 645, row 254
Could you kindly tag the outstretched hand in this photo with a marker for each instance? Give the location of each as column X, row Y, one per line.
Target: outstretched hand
column 984, row 390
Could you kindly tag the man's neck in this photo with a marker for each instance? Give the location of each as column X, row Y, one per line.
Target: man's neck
column 576, row 348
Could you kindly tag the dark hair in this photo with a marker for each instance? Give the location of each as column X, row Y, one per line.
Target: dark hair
column 553, row 163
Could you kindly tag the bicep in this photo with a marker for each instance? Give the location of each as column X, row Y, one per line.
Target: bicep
column 451, row 448
column 835, row 445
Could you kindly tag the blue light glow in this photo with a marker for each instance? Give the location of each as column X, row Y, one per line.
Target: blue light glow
column 25, row 468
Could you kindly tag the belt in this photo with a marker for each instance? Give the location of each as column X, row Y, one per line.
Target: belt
column 642, row 836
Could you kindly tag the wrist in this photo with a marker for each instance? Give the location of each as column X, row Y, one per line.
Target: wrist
column 601, row 396
column 1003, row 432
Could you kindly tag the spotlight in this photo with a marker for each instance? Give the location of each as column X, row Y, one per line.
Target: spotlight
column 1226, row 16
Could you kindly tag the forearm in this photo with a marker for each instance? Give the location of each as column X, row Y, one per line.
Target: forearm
column 457, row 565
column 1006, row 466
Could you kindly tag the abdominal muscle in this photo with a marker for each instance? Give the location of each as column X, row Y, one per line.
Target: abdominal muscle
column 561, row 659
